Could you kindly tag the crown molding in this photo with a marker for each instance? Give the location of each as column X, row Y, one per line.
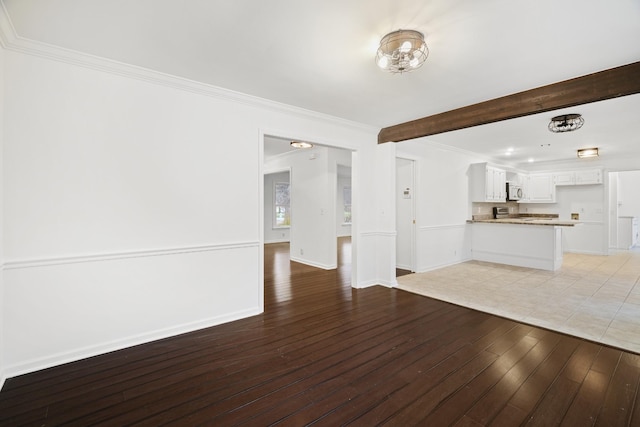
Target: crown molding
column 10, row 40
column 429, row 143
column 7, row 32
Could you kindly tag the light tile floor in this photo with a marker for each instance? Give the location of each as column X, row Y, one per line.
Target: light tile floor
column 592, row 297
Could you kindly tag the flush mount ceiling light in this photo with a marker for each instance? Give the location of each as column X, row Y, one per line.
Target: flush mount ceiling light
column 300, row 144
column 402, row 51
column 587, row 152
column 566, row 123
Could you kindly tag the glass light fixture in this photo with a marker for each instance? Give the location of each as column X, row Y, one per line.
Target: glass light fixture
column 587, row 152
column 402, row 51
column 301, row 144
column 566, row 123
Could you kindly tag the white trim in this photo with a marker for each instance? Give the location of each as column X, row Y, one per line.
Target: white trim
column 367, row 284
column 7, row 31
column 413, row 238
column 386, row 284
column 445, row 147
column 11, row 41
column 515, row 259
column 73, row 259
column 448, row 264
column 378, row 233
column 267, row 242
column 314, row 264
column 94, row 350
column 442, row 227
column 574, row 251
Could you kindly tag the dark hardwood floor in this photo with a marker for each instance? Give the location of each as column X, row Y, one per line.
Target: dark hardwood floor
column 326, row 354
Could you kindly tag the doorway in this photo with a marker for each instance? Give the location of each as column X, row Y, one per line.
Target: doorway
column 624, row 210
column 405, row 216
column 320, row 211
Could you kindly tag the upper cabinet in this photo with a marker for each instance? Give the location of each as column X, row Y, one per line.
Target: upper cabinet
column 592, row 176
column 565, row 178
column 540, row 189
column 487, row 183
column 579, row 177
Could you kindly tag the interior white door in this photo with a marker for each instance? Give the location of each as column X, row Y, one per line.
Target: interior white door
column 405, row 209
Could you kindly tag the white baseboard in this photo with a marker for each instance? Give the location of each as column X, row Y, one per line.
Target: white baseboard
column 585, row 252
column 83, row 353
column 266, row 242
column 370, row 283
column 439, row 266
column 313, row 264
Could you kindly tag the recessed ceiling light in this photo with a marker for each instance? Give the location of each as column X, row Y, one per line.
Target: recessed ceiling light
column 531, row 160
column 300, row 144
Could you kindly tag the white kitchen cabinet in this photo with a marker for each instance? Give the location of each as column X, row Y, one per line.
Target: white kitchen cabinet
column 565, row 178
column 588, row 176
column 627, row 232
column 499, row 184
column 487, row 183
column 541, row 188
column 578, row 177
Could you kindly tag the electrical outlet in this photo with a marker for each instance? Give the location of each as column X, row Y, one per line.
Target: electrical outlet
column 301, row 251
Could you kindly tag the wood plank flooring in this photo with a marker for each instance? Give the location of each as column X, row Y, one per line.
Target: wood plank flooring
column 326, row 354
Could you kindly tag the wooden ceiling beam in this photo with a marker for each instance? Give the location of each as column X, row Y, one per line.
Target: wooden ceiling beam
column 611, row 83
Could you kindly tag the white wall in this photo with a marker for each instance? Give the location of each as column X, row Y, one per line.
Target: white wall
column 273, row 234
column 442, row 203
column 628, row 193
column 133, row 206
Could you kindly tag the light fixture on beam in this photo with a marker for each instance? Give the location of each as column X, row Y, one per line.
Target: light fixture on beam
column 402, row 51
column 566, row 123
column 301, row 144
column 585, row 153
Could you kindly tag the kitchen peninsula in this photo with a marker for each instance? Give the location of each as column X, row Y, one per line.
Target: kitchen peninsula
column 524, row 241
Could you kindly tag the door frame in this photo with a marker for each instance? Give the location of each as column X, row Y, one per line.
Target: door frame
column 413, row 233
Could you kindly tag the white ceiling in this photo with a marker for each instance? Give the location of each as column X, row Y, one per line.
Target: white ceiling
column 319, row 55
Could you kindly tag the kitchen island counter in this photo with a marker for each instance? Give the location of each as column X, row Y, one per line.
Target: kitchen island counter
column 535, row 243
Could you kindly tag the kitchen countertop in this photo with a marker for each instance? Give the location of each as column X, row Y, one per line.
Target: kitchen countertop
column 529, row 221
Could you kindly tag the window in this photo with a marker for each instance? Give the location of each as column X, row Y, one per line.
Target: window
column 346, row 201
column 282, row 205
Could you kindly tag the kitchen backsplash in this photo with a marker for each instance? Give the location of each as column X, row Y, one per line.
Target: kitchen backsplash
column 481, row 210
column 485, row 210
